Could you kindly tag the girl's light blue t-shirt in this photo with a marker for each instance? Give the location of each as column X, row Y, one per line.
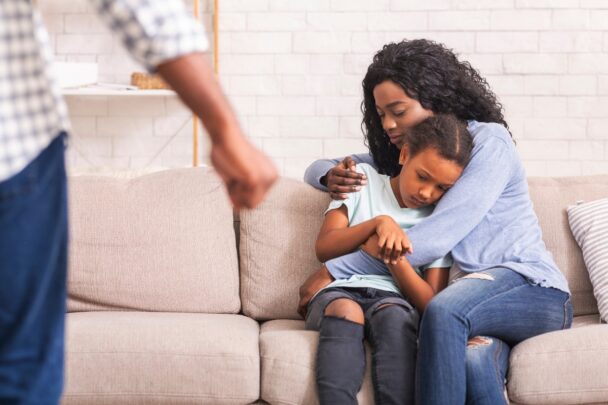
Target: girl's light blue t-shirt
column 358, row 269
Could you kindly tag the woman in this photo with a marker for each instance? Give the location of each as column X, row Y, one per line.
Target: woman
column 514, row 290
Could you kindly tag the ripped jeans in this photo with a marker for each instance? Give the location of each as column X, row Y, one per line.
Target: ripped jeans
column 497, row 303
column 391, row 328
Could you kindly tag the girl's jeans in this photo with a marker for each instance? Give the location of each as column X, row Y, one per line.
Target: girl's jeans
column 498, row 303
column 33, row 263
column 391, row 326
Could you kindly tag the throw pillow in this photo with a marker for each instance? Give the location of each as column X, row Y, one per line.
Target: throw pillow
column 589, row 225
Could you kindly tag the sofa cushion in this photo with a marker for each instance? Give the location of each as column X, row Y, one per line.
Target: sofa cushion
column 277, row 248
column 288, row 365
column 158, row 358
column 563, row 367
column 551, row 197
column 586, row 320
column 589, row 224
column 159, row 242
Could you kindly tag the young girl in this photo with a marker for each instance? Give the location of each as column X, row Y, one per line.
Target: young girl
column 486, row 221
column 364, row 234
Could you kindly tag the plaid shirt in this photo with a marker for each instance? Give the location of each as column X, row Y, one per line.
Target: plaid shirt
column 32, row 110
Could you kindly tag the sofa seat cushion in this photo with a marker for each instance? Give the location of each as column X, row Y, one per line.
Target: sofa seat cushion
column 586, row 320
column 563, row 367
column 159, row 358
column 288, row 353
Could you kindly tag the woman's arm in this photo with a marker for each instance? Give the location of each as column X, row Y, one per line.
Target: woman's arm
column 419, row 291
column 465, row 205
column 317, row 173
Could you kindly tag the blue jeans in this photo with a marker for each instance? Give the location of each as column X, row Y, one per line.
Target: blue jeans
column 486, row 370
column 391, row 327
column 504, row 306
column 33, row 263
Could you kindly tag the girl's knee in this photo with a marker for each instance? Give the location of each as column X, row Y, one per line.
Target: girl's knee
column 346, row 309
column 395, row 317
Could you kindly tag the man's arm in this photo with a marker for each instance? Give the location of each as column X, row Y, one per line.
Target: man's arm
column 247, row 173
column 163, row 36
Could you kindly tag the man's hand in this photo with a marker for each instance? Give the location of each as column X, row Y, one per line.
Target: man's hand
column 247, row 173
column 343, row 179
column 311, row 286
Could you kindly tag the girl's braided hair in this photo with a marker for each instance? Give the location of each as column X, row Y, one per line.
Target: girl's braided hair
column 445, row 133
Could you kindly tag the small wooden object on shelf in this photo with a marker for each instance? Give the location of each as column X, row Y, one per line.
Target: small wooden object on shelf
column 147, row 81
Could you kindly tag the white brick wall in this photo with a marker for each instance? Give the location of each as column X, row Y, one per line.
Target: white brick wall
column 293, row 72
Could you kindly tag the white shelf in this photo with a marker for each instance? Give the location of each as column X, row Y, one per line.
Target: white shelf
column 94, row 91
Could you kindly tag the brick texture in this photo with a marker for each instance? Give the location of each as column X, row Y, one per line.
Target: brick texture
column 293, row 71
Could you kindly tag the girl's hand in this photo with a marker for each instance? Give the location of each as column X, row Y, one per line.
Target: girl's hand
column 311, row 286
column 392, row 240
column 343, row 179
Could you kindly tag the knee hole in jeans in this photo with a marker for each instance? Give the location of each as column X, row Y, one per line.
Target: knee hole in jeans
column 479, row 341
column 346, row 309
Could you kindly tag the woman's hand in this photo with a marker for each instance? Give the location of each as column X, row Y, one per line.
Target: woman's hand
column 311, row 286
column 343, row 179
column 392, row 240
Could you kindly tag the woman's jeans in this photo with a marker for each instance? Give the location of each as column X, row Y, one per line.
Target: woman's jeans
column 33, row 263
column 391, row 327
column 497, row 303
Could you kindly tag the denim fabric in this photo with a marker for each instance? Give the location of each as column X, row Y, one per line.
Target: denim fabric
column 339, row 370
column 499, row 303
column 487, row 366
column 33, row 263
column 392, row 333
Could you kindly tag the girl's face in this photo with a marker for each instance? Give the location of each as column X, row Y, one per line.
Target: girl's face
column 425, row 177
column 398, row 112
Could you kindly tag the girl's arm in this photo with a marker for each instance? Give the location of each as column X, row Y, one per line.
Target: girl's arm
column 316, row 173
column 419, row 291
column 336, row 238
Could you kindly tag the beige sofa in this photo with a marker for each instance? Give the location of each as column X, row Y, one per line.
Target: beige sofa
column 168, row 304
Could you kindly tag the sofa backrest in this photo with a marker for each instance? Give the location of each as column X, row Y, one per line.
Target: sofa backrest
column 277, row 242
column 551, row 197
column 277, row 252
column 160, row 242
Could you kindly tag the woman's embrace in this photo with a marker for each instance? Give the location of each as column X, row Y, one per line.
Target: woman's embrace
column 383, row 307
column 513, row 290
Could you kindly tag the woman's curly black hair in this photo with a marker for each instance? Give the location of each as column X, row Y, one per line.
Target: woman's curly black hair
column 432, row 74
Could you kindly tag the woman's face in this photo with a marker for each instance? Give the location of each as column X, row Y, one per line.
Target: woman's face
column 398, row 112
